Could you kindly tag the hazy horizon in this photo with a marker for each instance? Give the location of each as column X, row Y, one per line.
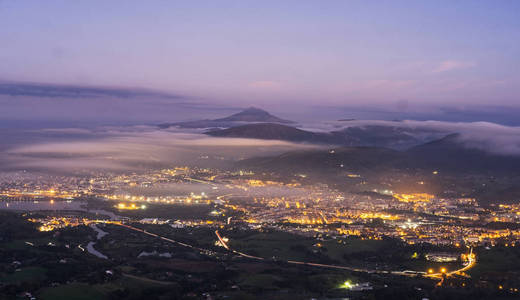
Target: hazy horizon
column 173, row 61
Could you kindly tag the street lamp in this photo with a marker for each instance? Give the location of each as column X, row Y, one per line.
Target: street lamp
column 347, row 284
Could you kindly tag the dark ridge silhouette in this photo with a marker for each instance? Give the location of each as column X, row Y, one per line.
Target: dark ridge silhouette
column 374, row 136
column 253, row 114
column 448, row 155
column 249, row 115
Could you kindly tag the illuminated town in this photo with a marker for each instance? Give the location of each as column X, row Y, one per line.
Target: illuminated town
column 414, row 218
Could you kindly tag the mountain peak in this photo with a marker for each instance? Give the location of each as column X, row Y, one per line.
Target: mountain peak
column 253, row 109
column 249, row 115
column 253, row 114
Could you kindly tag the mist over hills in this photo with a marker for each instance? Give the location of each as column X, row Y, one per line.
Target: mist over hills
column 447, row 166
column 449, row 154
column 408, row 146
column 254, row 123
column 454, row 154
column 373, row 136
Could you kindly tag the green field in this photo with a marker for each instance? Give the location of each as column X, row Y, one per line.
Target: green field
column 497, row 259
column 281, row 245
column 24, row 275
column 134, row 287
column 77, row 291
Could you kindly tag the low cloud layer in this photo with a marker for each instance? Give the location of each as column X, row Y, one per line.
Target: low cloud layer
column 139, row 148
column 490, row 137
column 76, row 150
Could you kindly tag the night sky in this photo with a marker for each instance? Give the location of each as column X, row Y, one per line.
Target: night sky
column 441, row 60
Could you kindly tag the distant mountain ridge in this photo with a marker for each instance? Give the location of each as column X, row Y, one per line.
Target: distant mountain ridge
column 270, row 131
column 249, row 115
column 448, row 154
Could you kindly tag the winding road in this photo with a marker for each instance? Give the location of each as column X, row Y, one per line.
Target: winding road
column 471, row 263
column 439, row 276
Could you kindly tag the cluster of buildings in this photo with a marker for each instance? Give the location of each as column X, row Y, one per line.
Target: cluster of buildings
column 290, row 206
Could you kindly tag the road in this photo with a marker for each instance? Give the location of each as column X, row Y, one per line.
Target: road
column 161, row 237
column 471, row 262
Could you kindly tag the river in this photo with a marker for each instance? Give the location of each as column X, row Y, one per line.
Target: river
column 90, row 246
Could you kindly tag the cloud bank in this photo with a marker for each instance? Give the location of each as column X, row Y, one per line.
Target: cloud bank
column 72, row 91
column 486, row 136
column 138, row 148
column 79, row 150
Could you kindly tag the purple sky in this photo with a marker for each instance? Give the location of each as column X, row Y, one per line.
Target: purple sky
column 422, row 56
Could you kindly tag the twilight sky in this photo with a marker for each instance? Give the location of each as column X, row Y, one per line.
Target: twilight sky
column 417, row 56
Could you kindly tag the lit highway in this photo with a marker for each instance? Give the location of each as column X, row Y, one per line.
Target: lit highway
column 161, row 237
column 471, row 263
column 471, row 257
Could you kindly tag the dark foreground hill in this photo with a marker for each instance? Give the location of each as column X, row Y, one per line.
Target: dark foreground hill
column 326, row 161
